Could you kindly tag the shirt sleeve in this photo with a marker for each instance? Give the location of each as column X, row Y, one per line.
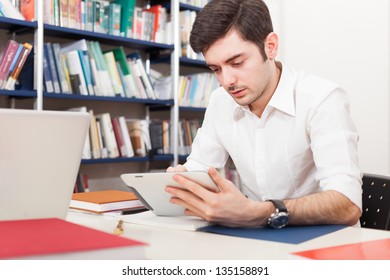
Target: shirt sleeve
column 334, row 142
column 206, row 150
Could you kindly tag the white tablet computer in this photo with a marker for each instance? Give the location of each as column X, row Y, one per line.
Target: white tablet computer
column 150, row 189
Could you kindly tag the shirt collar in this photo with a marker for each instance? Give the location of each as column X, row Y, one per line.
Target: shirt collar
column 282, row 99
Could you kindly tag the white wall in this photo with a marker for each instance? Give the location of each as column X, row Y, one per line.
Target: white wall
column 346, row 41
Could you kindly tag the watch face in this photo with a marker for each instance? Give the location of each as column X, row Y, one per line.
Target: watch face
column 280, row 220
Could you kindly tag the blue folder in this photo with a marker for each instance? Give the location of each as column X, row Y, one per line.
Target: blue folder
column 290, row 234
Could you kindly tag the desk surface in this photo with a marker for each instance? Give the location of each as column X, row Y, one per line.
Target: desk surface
column 177, row 244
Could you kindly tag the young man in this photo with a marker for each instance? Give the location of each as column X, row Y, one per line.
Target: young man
column 288, row 133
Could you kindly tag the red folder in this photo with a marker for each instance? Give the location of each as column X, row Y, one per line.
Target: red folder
column 59, row 239
column 368, row 250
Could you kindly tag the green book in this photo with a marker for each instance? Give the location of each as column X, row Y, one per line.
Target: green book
column 129, row 83
column 127, row 14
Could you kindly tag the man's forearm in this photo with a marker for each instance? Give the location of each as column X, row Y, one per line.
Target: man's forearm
column 328, row 207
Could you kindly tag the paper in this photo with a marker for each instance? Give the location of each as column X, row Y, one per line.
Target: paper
column 172, row 222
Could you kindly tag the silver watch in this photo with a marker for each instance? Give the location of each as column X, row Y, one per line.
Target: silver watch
column 279, row 218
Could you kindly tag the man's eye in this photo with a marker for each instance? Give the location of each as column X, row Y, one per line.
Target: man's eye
column 215, row 70
column 237, row 63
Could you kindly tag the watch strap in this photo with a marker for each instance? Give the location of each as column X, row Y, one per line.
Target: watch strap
column 279, row 205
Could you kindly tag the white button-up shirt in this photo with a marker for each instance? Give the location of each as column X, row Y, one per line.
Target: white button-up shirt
column 304, row 142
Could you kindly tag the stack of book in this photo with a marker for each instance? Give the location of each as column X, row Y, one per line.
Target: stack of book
column 105, row 201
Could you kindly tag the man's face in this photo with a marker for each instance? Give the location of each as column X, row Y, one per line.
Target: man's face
column 240, row 68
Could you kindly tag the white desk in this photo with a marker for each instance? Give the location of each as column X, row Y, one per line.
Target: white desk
column 166, row 244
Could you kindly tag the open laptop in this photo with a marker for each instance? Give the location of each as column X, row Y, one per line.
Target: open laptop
column 40, row 153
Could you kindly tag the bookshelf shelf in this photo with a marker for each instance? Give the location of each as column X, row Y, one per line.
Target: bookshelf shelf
column 168, row 157
column 185, row 61
column 184, row 6
column 19, row 93
column 17, row 26
column 192, row 109
column 76, row 34
column 168, row 102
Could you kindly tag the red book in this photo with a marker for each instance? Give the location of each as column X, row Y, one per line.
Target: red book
column 58, row 239
column 7, row 58
column 118, row 136
column 27, row 9
column 368, row 250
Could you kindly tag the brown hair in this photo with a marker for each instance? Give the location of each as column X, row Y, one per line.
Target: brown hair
column 250, row 18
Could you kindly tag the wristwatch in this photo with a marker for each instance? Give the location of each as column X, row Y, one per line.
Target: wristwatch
column 279, row 218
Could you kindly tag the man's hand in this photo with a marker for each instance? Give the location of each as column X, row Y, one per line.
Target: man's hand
column 228, row 207
column 177, row 168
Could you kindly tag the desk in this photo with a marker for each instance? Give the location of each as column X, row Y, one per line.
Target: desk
column 166, row 244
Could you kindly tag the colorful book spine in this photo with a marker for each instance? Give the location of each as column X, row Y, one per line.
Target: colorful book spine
column 7, row 58
column 10, row 85
column 13, row 65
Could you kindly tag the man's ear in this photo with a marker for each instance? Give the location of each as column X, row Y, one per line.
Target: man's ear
column 271, row 45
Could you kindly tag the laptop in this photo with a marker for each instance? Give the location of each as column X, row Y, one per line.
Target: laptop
column 40, row 154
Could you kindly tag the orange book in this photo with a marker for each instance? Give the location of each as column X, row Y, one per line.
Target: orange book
column 27, row 9
column 105, row 201
column 368, row 250
column 54, row 238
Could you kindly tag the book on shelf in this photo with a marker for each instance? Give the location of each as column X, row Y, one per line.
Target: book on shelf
column 101, row 70
column 114, row 19
column 137, row 23
column 94, row 137
column 64, row 13
column 138, row 63
column 52, row 238
column 122, row 136
column 108, row 134
column 76, row 74
column 8, row 54
column 158, row 25
column 134, row 127
column 113, row 73
column 127, row 14
column 12, row 65
column 156, row 136
column 47, row 76
column 128, row 150
column 11, row 81
column 128, row 79
column 7, row 9
column 103, row 146
column 81, row 184
column 140, row 87
column 118, row 136
column 49, row 56
column 27, row 9
column 81, row 46
column 60, row 66
column 105, row 201
column 148, row 218
column 25, row 80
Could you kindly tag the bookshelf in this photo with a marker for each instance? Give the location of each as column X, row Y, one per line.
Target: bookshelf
column 36, row 97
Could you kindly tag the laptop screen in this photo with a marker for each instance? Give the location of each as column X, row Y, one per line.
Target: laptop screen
column 40, row 154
